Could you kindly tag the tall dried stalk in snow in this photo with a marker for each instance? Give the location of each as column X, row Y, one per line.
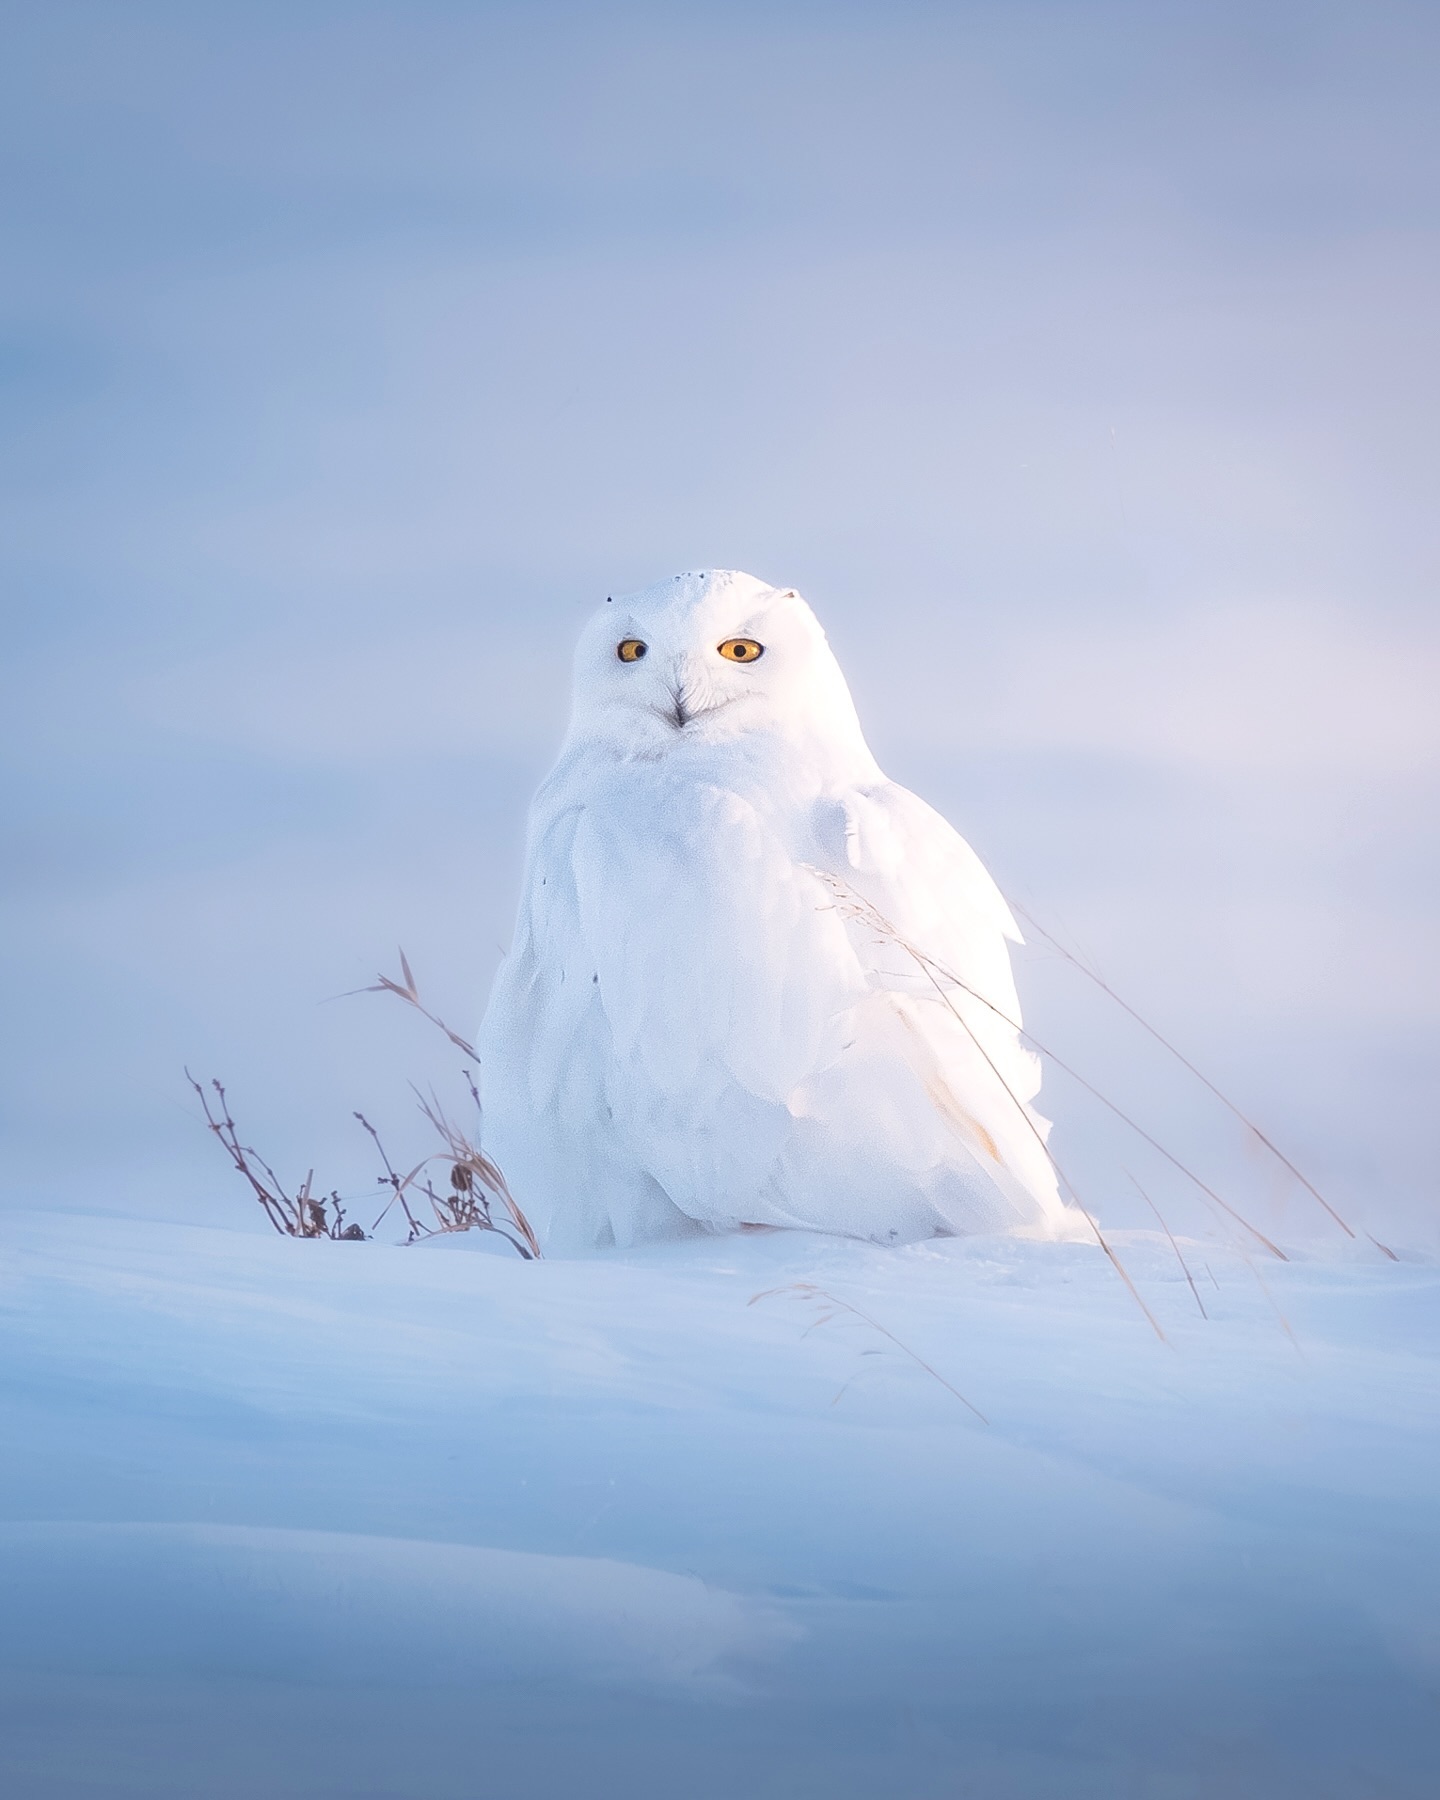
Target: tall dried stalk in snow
column 1199, row 1074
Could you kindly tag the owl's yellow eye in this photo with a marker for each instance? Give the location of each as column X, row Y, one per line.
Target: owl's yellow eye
column 630, row 649
column 741, row 650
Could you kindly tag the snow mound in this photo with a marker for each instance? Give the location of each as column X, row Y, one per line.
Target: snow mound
column 770, row 1513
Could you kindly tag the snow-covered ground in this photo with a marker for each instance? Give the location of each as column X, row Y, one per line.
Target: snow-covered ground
column 433, row 1524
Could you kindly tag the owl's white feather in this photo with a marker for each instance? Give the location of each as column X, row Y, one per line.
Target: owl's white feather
column 752, row 980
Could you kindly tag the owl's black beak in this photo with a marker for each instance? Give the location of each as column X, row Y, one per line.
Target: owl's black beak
column 681, row 715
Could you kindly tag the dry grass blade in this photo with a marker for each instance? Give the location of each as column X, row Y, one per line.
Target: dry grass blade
column 476, row 1181
column 834, row 1305
column 1269, row 1299
column 407, row 990
column 1173, row 1245
column 1185, row 1063
column 860, row 908
column 939, row 974
column 467, row 1203
column 476, row 1186
column 1142, row 1133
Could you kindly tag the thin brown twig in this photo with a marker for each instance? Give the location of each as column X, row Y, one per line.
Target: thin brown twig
column 293, row 1215
column 394, row 1181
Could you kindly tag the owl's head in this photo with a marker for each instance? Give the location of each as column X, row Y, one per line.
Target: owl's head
column 709, row 658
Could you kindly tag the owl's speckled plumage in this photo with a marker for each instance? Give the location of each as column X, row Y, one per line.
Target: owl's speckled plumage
column 696, row 1027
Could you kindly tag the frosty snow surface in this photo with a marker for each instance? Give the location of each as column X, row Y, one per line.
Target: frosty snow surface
column 309, row 1519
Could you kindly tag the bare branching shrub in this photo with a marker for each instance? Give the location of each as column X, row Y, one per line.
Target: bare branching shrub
column 472, row 1194
column 303, row 1214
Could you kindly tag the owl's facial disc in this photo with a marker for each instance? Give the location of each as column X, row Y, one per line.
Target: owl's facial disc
column 703, row 661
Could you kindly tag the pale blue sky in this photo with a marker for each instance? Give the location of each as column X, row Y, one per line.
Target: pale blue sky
column 1076, row 361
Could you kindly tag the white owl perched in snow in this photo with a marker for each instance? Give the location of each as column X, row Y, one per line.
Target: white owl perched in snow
column 750, row 975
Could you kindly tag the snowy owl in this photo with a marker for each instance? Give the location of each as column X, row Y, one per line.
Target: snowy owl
column 753, row 981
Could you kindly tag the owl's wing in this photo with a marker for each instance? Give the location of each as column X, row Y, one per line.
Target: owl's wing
column 932, row 932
